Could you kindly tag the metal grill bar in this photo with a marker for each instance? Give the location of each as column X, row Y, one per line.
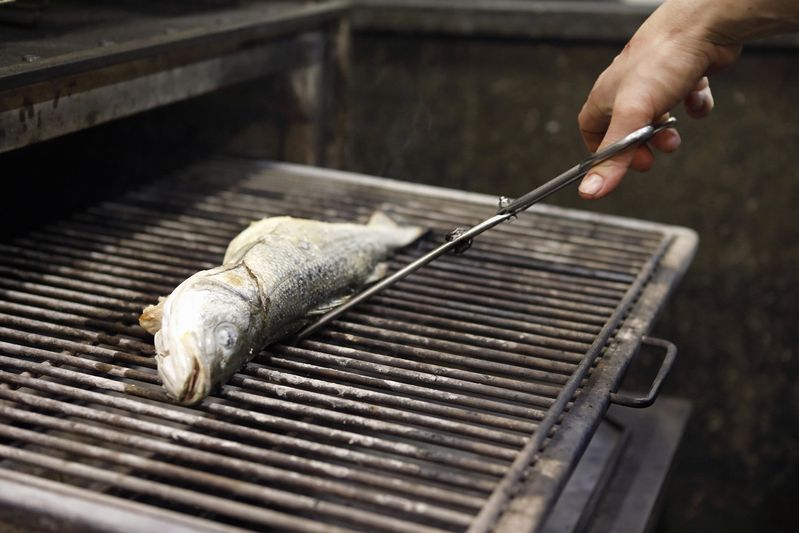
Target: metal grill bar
column 476, row 309
column 548, row 302
column 99, row 326
column 535, row 324
column 343, row 392
column 69, row 295
column 549, row 280
column 71, row 346
column 80, row 378
column 478, row 465
column 354, row 421
column 514, row 294
column 538, row 282
column 116, row 297
column 166, row 492
column 464, row 288
column 339, row 389
column 335, row 208
column 539, row 227
column 569, row 256
column 490, row 512
column 489, row 324
column 248, row 452
column 405, row 414
column 503, row 286
column 22, row 268
column 237, row 488
column 538, row 348
column 406, row 344
column 122, row 244
column 78, row 362
column 593, row 233
column 47, row 326
column 468, row 294
column 61, row 305
column 235, row 448
column 286, row 186
column 437, row 377
column 138, row 273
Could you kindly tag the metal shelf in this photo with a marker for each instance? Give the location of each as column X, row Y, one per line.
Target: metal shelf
column 94, row 65
column 570, row 21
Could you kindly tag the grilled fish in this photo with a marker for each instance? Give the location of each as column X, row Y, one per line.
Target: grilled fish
column 273, row 275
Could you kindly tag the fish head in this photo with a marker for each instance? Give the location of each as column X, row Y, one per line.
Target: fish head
column 204, row 336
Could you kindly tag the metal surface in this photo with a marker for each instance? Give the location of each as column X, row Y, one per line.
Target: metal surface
column 665, row 368
column 578, row 501
column 50, row 86
column 24, row 13
column 31, row 503
column 83, row 109
column 417, row 411
column 545, row 479
column 633, row 501
column 618, row 484
column 460, row 239
column 108, row 36
column 557, row 20
column 530, row 19
column 490, row 512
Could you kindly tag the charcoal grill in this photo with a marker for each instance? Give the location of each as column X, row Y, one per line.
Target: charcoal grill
column 460, row 399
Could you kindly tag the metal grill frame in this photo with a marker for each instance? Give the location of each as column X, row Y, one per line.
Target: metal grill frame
column 528, row 507
column 531, row 487
column 516, row 505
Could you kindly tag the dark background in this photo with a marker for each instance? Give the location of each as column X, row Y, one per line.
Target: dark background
column 499, row 117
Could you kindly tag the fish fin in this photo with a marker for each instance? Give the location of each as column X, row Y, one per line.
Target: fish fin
column 380, row 272
column 404, row 235
column 251, row 235
column 328, row 306
column 150, row 318
column 380, row 219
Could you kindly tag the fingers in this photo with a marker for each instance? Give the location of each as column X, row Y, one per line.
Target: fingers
column 699, row 102
column 594, row 117
column 593, row 125
column 643, row 159
column 606, row 176
column 667, row 141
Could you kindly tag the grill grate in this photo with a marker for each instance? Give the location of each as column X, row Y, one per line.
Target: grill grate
column 404, row 415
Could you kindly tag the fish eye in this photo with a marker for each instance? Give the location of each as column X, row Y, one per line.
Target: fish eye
column 226, row 336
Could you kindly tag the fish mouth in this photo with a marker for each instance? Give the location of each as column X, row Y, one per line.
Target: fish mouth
column 183, row 378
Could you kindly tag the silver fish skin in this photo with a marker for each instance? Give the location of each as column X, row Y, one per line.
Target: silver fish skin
column 274, row 273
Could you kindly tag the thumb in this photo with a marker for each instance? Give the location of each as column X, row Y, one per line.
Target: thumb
column 606, row 176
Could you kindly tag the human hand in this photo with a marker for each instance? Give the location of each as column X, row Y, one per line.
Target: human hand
column 666, row 62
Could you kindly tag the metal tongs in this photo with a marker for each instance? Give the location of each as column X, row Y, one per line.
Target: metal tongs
column 460, row 239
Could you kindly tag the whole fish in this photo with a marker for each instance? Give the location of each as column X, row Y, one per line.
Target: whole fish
column 274, row 274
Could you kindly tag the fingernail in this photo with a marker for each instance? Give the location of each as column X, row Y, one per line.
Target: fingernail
column 591, row 185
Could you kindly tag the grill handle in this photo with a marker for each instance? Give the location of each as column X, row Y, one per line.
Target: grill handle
column 665, row 368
